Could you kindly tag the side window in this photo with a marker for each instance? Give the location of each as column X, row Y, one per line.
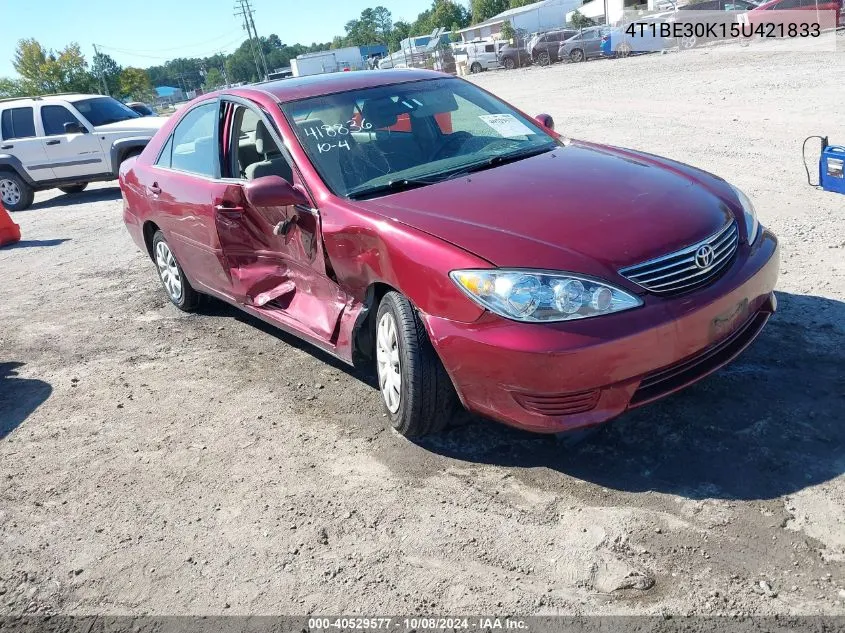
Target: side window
column 489, row 48
column 54, row 118
column 17, row 123
column 193, row 141
column 164, row 157
column 257, row 153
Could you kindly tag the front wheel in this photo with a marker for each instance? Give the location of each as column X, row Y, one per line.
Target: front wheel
column 577, row 55
column 416, row 391
column 509, row 63
column 14, row 192
column 623, row 50
column 688, row 42
column 544, row 59
column 475, row 68
column 178, row 289
column 77, row 188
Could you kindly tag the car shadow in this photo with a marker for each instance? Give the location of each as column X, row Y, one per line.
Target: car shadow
column 35, row 243
column 19, row 397
column 769, row 424
column 216, row 308
column 84, row 197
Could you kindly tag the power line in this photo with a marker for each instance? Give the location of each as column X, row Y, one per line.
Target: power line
column 123, row 51
column 173, row 48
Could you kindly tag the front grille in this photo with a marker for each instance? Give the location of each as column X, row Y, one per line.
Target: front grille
column 664, row 381
column 558, row 403
column 680, row 271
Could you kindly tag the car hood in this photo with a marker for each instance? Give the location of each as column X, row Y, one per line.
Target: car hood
column 583, row 208
column 143, row 125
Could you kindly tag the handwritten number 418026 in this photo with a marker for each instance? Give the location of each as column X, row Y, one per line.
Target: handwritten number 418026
column 336, row 131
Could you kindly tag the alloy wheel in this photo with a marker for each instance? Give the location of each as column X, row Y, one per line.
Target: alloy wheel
column 577, row 55
column 688, row 42
column 389, row 365
column 168, row 270
column 10, row 192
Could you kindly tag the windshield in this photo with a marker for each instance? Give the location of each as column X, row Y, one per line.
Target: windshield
column 104, row 110
column 378, row 140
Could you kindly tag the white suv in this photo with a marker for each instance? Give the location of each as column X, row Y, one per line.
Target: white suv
column 65, row 141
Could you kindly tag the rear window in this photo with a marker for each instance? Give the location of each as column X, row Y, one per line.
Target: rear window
column 17, row 123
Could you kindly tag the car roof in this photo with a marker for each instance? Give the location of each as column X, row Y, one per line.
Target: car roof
column 297, row 88
column 70, row 96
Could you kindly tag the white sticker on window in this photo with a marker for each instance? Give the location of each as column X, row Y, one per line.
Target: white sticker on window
column 506, row 125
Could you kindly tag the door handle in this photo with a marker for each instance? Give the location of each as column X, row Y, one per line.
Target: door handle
column 229, row 209
column 154, row 189
column 6, row 146
column 53, row 142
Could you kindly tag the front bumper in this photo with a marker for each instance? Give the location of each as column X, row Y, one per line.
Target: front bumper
column 563, row 376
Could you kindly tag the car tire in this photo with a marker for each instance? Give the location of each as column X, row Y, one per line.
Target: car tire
column 173, row 280
column 508, row 63
column 475, row 68
column 623, row 50
column 416, row 391
column 687, row 43
column 544, row 59
column 78, row 188
column 577, row 55
column 15, row 194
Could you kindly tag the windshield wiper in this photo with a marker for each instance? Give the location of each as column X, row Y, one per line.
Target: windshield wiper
column 502, row 159
column 401, row 184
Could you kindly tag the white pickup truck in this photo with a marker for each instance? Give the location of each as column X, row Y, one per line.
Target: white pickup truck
column 65, row 141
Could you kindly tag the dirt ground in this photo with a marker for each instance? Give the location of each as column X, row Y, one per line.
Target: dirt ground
column 162, row 463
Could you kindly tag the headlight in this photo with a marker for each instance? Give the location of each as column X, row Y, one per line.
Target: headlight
column 526, row 295
column 751, row 223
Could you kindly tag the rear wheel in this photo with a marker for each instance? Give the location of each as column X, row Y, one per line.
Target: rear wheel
column 14, row 192
column 475, row 68
column 178, row 289
column 687, row 43
column 623, row 50
column 508, row 63
column 77, row 188
column 577, row 55
column 544, row 59
column 416, row 391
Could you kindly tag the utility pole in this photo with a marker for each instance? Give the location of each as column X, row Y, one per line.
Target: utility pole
column 102, row 75
column 255, row 44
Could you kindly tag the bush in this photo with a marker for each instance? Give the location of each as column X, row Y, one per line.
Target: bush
column 580, row 21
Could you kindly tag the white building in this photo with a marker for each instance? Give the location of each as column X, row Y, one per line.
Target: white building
column 539, row 16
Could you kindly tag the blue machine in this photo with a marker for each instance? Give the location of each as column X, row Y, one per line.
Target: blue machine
column 831, row 173
column 831, row 165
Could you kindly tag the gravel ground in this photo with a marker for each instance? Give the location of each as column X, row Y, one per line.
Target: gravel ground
column 156, row 462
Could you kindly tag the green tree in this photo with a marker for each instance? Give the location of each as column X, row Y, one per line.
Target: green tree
column 508, row 33
column 43, row 71
column 445, row 13
column 401, row 30
column 103, row 66
column 483, row 9
column 135, row 84
column 514, row 4
column 580, row 21
column 213, row 79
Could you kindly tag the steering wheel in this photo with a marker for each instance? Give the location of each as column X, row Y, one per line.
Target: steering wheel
column 453, row 142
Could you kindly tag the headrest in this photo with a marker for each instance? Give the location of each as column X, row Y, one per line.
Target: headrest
column 381, row 113
column 263, row 141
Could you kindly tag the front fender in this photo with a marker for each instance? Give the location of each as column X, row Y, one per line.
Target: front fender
column 14, row 163
column 121, row 146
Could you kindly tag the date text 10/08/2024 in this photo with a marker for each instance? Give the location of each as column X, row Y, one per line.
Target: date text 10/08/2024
column 420, row 623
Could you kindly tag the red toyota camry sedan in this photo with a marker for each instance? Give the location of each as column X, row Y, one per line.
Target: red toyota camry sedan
column 411, row 221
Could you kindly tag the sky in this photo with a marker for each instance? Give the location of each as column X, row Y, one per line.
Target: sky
column 148, row 32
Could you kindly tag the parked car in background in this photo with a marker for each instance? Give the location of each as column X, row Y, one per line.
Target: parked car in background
column 544, row 46
column 65, row 141
column 479, row 54
column 302, row 204
column 514, row 56
column 769, row 12
column 583, row 46
column 141, row 108
column 617, row 42
column 720, row 13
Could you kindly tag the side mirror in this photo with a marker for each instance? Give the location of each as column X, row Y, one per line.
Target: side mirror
column 72, row 127
column 546, row 121
column 273, row 191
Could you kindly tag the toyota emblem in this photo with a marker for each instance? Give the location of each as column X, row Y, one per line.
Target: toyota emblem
column 704, row 256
